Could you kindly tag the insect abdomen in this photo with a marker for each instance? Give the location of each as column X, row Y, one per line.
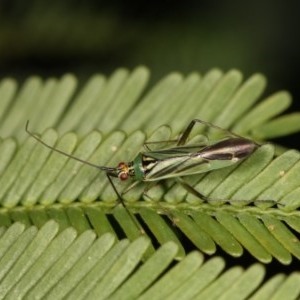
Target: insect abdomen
column 234, row 148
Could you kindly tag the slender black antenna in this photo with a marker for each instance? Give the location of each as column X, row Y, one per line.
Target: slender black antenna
column 106, row 169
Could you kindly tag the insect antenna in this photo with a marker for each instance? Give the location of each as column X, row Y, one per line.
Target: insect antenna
column 105, row 169
column 108, row 170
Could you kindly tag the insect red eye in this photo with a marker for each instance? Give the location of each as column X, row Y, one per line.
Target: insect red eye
column 123, row 176
column 121, row 165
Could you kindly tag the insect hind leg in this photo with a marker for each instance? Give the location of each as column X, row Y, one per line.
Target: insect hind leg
column 182, row 140
column 186, row 133
column 199, row 195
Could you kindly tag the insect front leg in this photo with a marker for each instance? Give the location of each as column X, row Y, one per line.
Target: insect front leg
column 121, row 200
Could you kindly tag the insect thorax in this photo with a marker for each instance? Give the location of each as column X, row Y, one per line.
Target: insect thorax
column 142, row 165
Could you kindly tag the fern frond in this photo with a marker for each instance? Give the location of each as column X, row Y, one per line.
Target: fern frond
column 47, row 263
column 254, row 205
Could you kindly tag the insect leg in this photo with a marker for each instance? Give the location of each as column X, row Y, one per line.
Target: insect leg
column 183, row 138
column 124, row 205
column 191, row 190
column 163, row 209
column 130, row 187
column 157, row 142
column 186, row 133
column 150, row 185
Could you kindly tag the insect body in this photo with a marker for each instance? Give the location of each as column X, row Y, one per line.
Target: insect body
column 176, row 162
column 187, row 160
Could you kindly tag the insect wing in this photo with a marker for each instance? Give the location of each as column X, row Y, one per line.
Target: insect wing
column 181, row 151
column 184, row 166
column 189, row 160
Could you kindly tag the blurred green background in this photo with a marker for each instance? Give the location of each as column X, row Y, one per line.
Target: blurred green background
column 50, row 38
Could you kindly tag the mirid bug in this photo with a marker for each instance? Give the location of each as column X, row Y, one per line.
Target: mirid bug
column 175, row 162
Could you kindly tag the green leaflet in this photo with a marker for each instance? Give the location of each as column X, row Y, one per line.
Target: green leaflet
column 107, row 121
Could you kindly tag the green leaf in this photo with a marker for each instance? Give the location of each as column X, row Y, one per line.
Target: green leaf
column 68, row 265
column 254, row 205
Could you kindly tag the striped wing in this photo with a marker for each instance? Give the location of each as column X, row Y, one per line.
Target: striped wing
column 193, row 159
column 179, row 161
